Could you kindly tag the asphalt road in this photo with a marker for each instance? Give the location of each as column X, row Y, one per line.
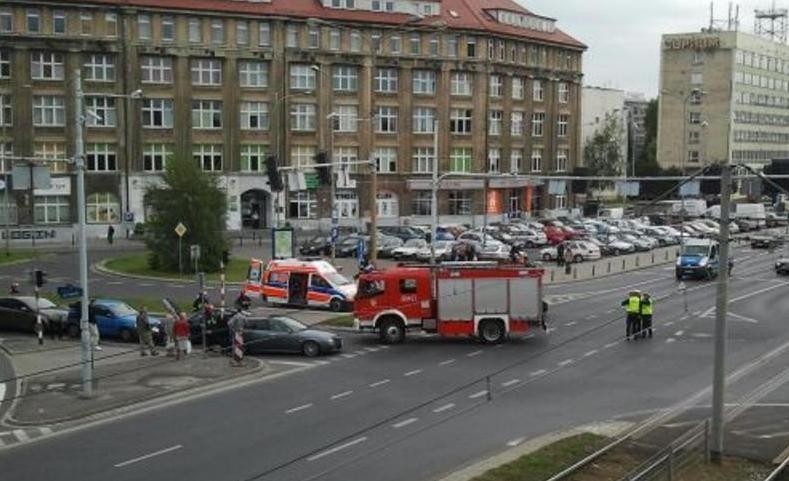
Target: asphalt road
column 419, row 410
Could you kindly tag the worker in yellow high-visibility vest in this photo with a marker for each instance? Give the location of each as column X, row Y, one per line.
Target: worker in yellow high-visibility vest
column 647, row 307
column 633, row 308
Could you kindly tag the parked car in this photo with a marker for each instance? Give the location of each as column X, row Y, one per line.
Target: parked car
column 319, row 245
column 529, row 237
column 581, row 251
column 495, row 251
column 346, row 246
column 640, row 244
column 782, row 266
column 477, row 237
column 404, row 232
column 775, row 220
column 661, row 236
column 216, row 333
column 114, row 318
column 387, row 244
column 746, row 225
column 618, row 246
column 275, row 333
column 409, row 249
column 18, row 313
column 605, row 249
column 763, row 242
column 443, row 251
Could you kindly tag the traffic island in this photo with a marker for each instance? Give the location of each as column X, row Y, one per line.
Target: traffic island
column 136, row 266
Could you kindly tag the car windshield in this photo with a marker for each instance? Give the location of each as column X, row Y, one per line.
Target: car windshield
column 628, row 237
column 442, row 244
column 695, row 250
column 121, row 309
column 45, row 303
column 415, row 243
column 335, row 278
column 293, row 324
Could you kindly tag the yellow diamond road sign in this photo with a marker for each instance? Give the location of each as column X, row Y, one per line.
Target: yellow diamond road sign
column 180, row 229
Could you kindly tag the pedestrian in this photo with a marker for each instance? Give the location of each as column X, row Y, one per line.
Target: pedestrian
column 647, row 307
column 181, row 331
column 560, row 254
column 633, row 309
column 568, row 260
column 200, row 300
column 14, row 289
column 110, row 234
column 145, row 333
column 93, row 329
column 169, row 336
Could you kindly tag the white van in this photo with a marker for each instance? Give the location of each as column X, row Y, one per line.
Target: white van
column 753, row 212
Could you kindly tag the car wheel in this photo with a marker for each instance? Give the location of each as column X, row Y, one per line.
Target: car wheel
column 73, row 330
column 310, row 349
column 546, row 257
column 335, row 305
column 491, row 331
column 530, row 244
column 577, row 258
column 127, row 335
column 391, row 331
column 616, row 252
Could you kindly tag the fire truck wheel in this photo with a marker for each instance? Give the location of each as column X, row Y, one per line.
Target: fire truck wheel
column 311, row 349
column 491, row 331
column 391, row 331
column 335, row 305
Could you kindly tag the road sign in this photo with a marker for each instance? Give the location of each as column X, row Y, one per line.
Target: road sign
column 194, row 252
column 180, row 229
column 69, row 291
column 335, row 233
column 361, row 250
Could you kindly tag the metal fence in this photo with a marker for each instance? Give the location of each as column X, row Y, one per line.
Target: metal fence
column 689, row 448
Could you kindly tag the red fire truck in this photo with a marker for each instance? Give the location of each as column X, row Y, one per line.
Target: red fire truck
column 481, row 299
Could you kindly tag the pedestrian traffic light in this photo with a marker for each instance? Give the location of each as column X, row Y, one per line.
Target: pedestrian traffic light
column 39, row 277
column 274, row 178
column 324, row 170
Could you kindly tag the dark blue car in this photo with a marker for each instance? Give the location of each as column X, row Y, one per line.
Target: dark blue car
column 114, row 318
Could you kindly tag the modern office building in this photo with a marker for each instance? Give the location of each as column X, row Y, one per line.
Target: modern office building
column 724, row 95
column 229, row 82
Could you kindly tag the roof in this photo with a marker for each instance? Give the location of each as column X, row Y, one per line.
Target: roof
column 467, row 14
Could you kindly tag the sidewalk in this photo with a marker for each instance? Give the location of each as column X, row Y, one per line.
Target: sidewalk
column 608, row 266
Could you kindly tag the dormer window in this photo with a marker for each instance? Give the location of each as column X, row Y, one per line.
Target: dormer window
column 524, row 20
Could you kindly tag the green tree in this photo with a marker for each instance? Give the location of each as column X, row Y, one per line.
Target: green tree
column 603, row 150
column 192, row 197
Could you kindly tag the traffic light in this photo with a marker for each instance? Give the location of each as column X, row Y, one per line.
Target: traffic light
column 274, row 179
column 324, row 171
column 39, row 277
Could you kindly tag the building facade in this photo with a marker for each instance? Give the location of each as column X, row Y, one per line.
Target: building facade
column 228, row 83
column 724, row 96
column 597, row 104
column 636, row 106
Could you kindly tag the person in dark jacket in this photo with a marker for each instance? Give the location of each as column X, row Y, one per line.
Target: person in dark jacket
column 560, row 254
column 110, row 234
column 633, row 308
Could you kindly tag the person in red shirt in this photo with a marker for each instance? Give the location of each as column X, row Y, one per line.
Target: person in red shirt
column 181, row 331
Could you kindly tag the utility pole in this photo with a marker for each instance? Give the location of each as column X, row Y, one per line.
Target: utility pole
column 373, row 211
column 79, row 161
column 434, row 196
column 721, row 311
column 5, row 192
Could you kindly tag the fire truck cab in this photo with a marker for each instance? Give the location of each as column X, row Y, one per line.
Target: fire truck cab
column 476, row 299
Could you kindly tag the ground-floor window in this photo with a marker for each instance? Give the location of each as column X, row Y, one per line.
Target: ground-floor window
column 303, row 205
column 347, row 204
column 560, row 202
column 387, row 204
column 102, row 207
column 514, row 204
column 459, row 202
column 422, row 202
column 52, row 209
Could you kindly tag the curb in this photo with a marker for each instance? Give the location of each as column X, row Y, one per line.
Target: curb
column 101, row 268
column 634, row 269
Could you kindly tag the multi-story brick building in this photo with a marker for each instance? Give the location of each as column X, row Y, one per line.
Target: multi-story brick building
column 230, row 82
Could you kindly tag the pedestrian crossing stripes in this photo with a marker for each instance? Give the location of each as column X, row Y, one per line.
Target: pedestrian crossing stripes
column 18, row 436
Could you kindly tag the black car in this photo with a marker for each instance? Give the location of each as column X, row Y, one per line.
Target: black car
column 320, row 245
column 403, row 232
column 782, row 266
column 346, row 247
column 217, row 333
column 18, row 313
column 763, row 242
column 275, row 333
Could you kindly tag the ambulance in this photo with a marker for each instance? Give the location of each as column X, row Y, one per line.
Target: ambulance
column 296, row 282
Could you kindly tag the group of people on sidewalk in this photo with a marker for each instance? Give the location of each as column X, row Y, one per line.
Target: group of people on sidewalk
column 176, row 330
column 639, row 307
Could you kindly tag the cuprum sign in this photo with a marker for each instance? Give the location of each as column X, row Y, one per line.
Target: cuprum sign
column 691, row 43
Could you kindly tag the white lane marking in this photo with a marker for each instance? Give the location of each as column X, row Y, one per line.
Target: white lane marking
column 611, row 344
column 371, row 349
column 45, row 431
column 333, row 450
column 115, row 283
column 737, row 316
column 670, row 340
column 382, row 347
column 321, row 363
column 150, row 455
column 591, row 353
column 2, row 391
column 566, row 362
column 679, row 333
column 537, row 373
column 756, row 293
column 359, row 353
column 444, row 363
column 568, row 324
column 550, row 330
column 701, row 335
column 475, row 353
column 341, row 395
column 444, row 408
column 298, row 408
column 593, row 316
column 411, row 373
column 669, row 323
column 510, row 382
column 21, row 435
column 349, row 356
column 379, row 383
column 478, row 394
column 145, row 284
column 405, row 423
column 515, row 442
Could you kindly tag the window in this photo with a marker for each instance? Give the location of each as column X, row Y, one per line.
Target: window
column 516, row 123
column 696, row 79
column 564, row 92
column 144, row 26
column 206, row 114
column 424, row 159
column 694, row 117
column 5, row 64
column 254, row 116
column 536, row 160
column 335, row 39
column 421, row 203
column 435, row 45
column 471, row 47
column 385, row 80
column 314, row 38
column 538, row 91
column 208, row 157
column 100, row 158
column 154, row 157
column 416, row 44
column 168, row 28
column 460, row 84
column 51, row 209
column 195, row 30
column 345, row 78
column 157, row 113
column 102, row 112
column 356, row 41
column 49, row 111
column 264, row 34
column 459, row 202
column 345, row 156
column 303, row 117
column 85, row 23
column 501, row 49
column 102, row 207
column 55, row 153
column 387, row 205
column 694, row 136
column 346, row 119
column 693, row 156
column 242, row 33
column 560, row 201
column 395, row 44
column 6, row 112
column 696, row 97
column 452, row 45
column 302, row 77
column 157, row 70
column 517, row 88
column 460, row 121
column 292, row 36
column 424, row 120
column 217, row 31
column 58, row 22
column 46, row 66
column 375, row 43
column 253, row 74
column 206, row 71
column 561, row 159
column 346, row 204
column 303, row 205
column 99, row 68
column 6, row 20
column 494, row 160
column 386, row 120
column 301, row 156
column 33, row 20
column 562, row 125
column 460, row 159
column 253, row 158
column 424, row 82
column 516, row 160
column 496, row 86
column 494, row 124
column 537, row 122
column 111, row 24
column 385, row 160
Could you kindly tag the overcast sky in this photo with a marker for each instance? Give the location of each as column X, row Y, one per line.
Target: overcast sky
column 624, row 35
